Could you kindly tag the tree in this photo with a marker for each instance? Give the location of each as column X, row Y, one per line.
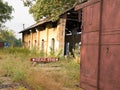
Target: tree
column 49, row 8
column 18, row 42
column 9, row 36
column 5, row 12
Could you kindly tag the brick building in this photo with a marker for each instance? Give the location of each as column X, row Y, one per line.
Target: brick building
column 62, row 34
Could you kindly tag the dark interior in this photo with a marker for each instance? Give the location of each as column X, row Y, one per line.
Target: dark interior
column 72, row 31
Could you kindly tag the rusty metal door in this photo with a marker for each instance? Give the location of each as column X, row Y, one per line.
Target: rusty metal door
column 90, row 45
column 110, row 46
column 100, row 53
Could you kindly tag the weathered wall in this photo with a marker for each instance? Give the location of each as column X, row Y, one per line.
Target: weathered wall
column 26, row 38
column 52, row 34
column 61, row 33
column 110, row 46
column 34, row 38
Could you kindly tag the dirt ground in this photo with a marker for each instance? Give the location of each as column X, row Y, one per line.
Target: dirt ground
column 7, row 84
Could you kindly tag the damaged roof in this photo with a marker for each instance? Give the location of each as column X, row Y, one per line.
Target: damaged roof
column 42, row 21
column 37, row 24
column 45, row 20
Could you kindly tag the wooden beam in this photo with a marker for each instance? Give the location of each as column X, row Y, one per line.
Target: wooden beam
column 72, row 19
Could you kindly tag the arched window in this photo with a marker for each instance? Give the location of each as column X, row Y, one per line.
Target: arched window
column 35, row 43
column 29, row 44
column 53, row 44
column 42, row 45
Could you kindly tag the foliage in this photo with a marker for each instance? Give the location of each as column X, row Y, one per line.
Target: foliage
column 57, row 54
column 1, row 81
column 76, row 53
column 5, row 12
column 52, row 53
column 21, row 88
column 12, row 65
column 9, row 36
column 18, row 42
column 49, row 8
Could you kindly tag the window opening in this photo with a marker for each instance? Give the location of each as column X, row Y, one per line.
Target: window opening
column 53, row 44
column 42, row 45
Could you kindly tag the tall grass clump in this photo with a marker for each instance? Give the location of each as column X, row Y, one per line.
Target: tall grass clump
column 53, row 53
column 16, row 69
column 76, row 53
column 14, row 63
column 16, row 51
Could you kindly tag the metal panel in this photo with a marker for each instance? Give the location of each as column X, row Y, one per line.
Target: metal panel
column 90, row 46
column 100, row 52
column 111, row 38
column 91, row 38
column 110, row 46
column 110, row 67
column 89, row 2
column 111, row 15
column 89, row 66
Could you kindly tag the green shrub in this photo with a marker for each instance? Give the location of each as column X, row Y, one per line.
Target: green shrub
column 21, row 88
column 1, row 81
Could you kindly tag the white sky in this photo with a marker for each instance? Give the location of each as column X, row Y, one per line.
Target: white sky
column 21, row 16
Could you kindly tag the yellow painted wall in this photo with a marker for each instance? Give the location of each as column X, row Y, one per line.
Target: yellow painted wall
column 57, row 33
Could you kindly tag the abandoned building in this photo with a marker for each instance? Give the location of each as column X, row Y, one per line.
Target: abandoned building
column 63, row 34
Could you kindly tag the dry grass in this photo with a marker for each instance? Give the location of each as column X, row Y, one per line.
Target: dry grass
column 62, row 75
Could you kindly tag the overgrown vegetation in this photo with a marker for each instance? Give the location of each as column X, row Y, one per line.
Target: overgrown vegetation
column 5, row 12
column 8, row 36
column 49, row 8
column 61, row 75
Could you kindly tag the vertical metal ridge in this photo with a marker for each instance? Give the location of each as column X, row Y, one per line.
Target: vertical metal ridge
column 99, row 49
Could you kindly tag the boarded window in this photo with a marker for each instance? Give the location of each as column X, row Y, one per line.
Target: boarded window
column 42, row 45
column 29, row 44
column 53, row 44
column 35, row 42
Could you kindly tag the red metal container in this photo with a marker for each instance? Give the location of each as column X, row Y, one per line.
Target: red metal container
column 1, row 44
column 100, row 49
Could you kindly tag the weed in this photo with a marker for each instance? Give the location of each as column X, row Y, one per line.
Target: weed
column 39, row 88
column 21, row 88
column 1, row 81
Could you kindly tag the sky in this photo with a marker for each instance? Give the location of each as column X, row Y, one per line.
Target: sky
column 20, row 16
